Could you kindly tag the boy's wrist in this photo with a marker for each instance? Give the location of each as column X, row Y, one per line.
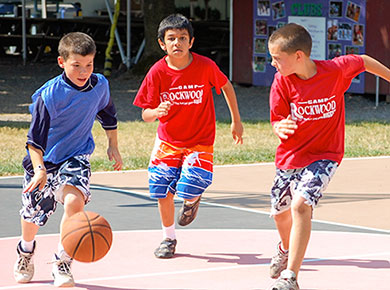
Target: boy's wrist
column 39, row 167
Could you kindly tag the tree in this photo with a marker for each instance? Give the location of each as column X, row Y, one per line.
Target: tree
column 154, row 11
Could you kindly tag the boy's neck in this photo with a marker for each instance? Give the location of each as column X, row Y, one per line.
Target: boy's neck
column 308, row 70
column 179, row 63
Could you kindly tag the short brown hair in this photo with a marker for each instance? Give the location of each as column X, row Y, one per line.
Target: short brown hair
column 76, row 43
column 292, row 37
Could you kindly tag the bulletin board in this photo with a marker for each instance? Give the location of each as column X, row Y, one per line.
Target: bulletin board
column 336, row 27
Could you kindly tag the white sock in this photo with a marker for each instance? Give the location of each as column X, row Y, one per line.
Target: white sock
column 62, row 254
column 27, row 246
column 169, row 232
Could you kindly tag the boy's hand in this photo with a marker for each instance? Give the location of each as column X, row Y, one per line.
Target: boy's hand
column 162, row 109
column 284, row 128
column 237, row 131
column 39, row 179
column 113, row 154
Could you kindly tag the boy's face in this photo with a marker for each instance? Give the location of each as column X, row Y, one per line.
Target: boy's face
column 77, row 68
column 176, row 43
column 284, row 62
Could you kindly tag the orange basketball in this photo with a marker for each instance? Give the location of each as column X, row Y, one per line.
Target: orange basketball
column 86, row 236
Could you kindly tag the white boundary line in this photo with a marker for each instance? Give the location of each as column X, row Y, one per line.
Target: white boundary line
column 218, row 166
column 134, row 276
column 245, row 209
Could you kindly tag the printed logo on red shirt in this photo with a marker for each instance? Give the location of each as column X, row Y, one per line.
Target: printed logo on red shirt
column 315, row 109
column 183, row 95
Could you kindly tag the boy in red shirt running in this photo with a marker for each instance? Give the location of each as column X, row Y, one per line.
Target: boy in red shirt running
column 177, row 92
column 307, row 114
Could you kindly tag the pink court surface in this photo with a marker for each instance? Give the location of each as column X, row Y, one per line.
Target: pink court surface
column 230, row 244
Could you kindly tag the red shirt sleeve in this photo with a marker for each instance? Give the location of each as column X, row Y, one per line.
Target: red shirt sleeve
column 279, row 105
column 148, row 95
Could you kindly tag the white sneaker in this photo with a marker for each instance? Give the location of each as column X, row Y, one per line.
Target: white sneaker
column 61, row 272
column 286, row 281
column 24, row 266
column 278, row 263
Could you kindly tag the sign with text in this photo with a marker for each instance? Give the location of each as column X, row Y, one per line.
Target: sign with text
column 336, row 27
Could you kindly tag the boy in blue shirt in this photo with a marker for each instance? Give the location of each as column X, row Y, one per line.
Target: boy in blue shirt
column 59, row 144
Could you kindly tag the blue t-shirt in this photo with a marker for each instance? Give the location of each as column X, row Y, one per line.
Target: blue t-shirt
column 63, row 116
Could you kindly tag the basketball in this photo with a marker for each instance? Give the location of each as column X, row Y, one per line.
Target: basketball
column 86, row 236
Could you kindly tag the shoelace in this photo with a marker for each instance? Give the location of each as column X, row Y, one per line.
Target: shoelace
column 64, row 267
column 23, row 263
column 278, row 257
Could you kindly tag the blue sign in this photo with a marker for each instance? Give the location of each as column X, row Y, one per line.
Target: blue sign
column 336, row 27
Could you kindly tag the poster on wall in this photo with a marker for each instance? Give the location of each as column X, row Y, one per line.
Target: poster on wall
column 336, row 27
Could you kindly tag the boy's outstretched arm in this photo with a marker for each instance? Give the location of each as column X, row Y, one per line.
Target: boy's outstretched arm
column 231, row 100
column 40, row 176
column 375, row 67
column 112, row 150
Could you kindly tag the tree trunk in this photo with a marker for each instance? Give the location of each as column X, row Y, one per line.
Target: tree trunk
column 154, row 11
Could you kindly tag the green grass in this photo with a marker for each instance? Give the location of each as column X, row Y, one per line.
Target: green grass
column 136, row 141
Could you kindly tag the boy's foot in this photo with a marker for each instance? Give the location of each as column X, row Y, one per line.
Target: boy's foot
column 278, row 262
column 24, row 266
column 166, row 249
column 61, row 272
column 286, row 281
column 188, row 212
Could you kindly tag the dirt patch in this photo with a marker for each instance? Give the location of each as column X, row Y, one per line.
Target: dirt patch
column 18, row 82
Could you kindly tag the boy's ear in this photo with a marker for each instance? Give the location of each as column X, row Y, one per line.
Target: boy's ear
column 300, row 55
column 162, row 44
column 60, row 61
column 192, row 42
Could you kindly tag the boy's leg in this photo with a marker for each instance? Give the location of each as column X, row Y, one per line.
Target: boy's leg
column 74, row 202
column 300, row 233
column 37, row 206
column 196, row 176
column 281, row 198
column 167, row 247
column 310, row 182
column 73, row 192
column 164, row 171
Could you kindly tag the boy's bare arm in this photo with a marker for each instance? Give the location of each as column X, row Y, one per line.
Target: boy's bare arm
column 375, row 67
column 231, row 100
column 151, row 115
column 112, row 150
column 40, row 176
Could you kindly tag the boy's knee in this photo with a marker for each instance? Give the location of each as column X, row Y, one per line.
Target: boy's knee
column 73, row 198
column 300, row 207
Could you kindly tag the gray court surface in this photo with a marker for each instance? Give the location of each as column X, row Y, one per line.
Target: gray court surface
column 126, row 210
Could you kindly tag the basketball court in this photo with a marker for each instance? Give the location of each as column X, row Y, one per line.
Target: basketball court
column 230, row 244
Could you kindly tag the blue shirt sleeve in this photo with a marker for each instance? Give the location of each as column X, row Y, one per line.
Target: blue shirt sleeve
column 107, row 116
column 39, row 127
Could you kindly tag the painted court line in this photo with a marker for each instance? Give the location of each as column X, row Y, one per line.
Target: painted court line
column 219, row 166
column 123, row 277
column 112, row 189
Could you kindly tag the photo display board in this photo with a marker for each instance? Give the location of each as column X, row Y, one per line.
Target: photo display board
column 336, row 27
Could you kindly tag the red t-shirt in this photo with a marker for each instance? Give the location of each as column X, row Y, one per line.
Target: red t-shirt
column 191, row 118
column 317, row 105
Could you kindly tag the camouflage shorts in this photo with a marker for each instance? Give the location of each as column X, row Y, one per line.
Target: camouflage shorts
column 37, row 205
column 308, row 182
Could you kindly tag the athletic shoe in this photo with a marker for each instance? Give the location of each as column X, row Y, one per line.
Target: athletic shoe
column 61, row 272
column 188, row 212
column 24, row 266
column 166, row 249
column 278, row 263
column 286, row 281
